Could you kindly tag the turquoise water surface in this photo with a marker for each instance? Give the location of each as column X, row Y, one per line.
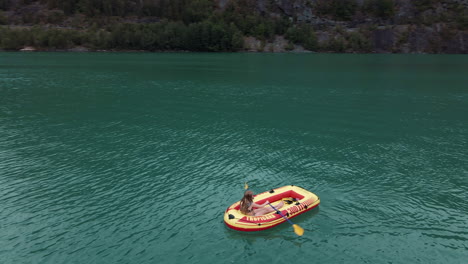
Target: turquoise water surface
column 133, row 157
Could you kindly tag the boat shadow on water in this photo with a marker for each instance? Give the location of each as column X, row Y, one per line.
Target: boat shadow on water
column 277, row 231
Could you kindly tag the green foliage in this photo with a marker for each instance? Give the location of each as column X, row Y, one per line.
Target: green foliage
column 58, row 39
column 187, row 10
column 184, row 25
column 337, row 44
column 197, row 25
column 422, row 5
column 337, row 9
column 55, row 17
column 202, row 36
column 68, row 6
column 243, row 14
column 304, row 35
column 403, row 38
column 198, row 10
column 5, row 4
column 206, row 36
column 358, row 42
column 237, row 39
column 15, row 39
column 380, row 8
column 3, row 19
column 281, row 26
column 9, row 40
column 462, row 21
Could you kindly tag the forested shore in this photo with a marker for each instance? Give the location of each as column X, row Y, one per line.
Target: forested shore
column 421, row 26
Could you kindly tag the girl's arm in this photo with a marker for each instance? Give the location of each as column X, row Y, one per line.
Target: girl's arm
column 260, row 205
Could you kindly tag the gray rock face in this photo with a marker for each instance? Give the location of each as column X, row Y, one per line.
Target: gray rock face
column 300, row 9
column 79, row 49
column 222, row 3
column 419, row 40
column 458, row 44
column 405, row 11
column 410, row 30
column 383, row 39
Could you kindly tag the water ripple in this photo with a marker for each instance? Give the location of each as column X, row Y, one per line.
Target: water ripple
column 108, row 164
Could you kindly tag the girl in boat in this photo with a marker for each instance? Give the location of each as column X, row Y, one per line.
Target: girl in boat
column 249, row 207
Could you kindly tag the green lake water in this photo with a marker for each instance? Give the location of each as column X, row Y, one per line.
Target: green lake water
column 133, row 157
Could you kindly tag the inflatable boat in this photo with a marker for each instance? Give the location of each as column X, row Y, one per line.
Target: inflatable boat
column 296, row 201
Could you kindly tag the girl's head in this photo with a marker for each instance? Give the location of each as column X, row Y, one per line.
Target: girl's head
column 246, row 202
column 248, row 195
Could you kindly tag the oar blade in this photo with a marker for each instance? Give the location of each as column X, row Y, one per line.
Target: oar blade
column 298, row 230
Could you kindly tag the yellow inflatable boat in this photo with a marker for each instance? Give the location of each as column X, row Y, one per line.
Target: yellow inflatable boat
column 297, row 201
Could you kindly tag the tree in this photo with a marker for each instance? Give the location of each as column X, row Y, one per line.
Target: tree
column 380, row 8
column 197, row 10
column 338, row 9
column 304, row 35
column 5, row 4
column 3, row 19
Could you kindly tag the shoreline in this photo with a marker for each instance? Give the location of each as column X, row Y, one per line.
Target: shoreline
column 233, row 52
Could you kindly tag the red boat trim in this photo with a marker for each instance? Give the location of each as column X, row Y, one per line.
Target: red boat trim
column 270, row 226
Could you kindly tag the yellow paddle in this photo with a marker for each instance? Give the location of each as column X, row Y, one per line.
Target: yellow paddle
column 297, row 229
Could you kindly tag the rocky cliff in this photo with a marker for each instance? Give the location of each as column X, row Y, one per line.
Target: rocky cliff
column 361, row 26
column 409, row 26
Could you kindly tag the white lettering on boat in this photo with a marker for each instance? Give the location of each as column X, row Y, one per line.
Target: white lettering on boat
column 300, row 207
column 259, row 219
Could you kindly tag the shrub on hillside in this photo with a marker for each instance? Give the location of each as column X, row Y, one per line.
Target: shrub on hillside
column 304, row 35
column 337, row 9
column 380, row 8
